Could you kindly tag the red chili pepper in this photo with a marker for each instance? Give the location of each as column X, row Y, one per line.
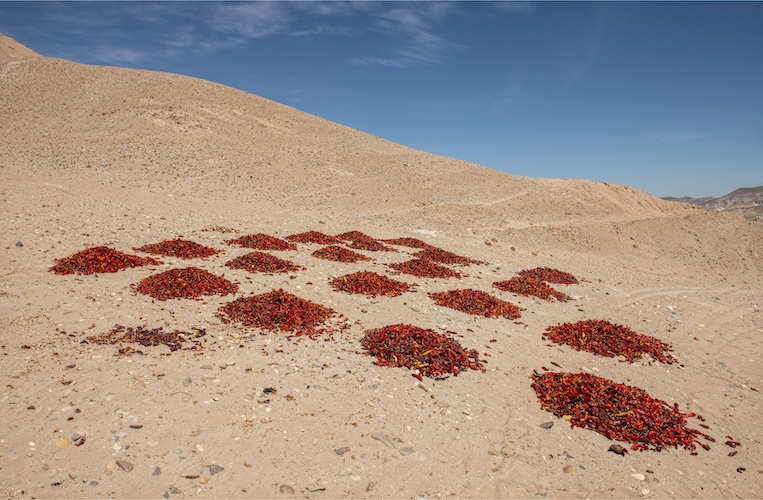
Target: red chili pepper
column 339, row 254
column 183, row 249
column 190, row 282
column 101, row 259
column 369, row 283
column 261, row 241
column 521, row 285
column 424, row 269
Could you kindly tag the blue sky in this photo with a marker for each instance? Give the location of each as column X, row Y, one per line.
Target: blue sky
column 663, row 96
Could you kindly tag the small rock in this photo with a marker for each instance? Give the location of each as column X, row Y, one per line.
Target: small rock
column 383, row 438
column 285, row 488
column 639, row 476
column 174, row 490
column 76, row 437
column 30, row 407
column 569, row 469
column 157, row 471
column 125, row 465
column 364, row 310
column 204, row 480
column 315, row 487
column 406, row 450
column 342, row 450
column 111, row 465
column 547, row 425
column 215, row 469
column 616, row 448
column 19, row 244
column 93, row 483
column 188, row 381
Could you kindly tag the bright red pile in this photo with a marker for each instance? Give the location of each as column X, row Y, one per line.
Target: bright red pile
column 186, row 283
column 608, row 339
column 476, row 302
column 259, row 262
column 530, row 286
column 339, row 254
column 445, row 257
column 183, row 249
column 549, row 275
column 432, row 354
column 424, row 269
column 100, row 260
column 369, row 283
column 313, row 237
column 262, row 242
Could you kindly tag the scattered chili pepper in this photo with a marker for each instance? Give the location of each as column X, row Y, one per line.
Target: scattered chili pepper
column 445, row 257
column 259, row 262
column 189, row 282
column 339, row 254
column 731, row 443
column 432, row 354
column 521, row 285
column 261, row 241
column 607, row 339
column 100, row 260
column 147, row 338
column 369, row 283
column 476, row 302
column 277, row 311
column 219, row 229
column 732, row 453
column 408, row 242
column 424, row 269
column 741, row 469
column 617, row 411
column 549, row 275
column 183, row 249
column 313, row 237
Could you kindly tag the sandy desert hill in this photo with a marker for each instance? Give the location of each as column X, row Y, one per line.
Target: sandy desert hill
column 110, row 156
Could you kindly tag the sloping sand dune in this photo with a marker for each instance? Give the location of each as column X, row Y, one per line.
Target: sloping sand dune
column 109, row 156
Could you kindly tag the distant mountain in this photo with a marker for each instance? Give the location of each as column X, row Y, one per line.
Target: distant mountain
column 748, row 199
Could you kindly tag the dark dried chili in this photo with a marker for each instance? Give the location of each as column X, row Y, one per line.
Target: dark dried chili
column 549, row 275
column 371, row 246
column 521, row 285
column 355, row 236
column 147, row 338
column 608, row 339
column 443, row 256
column 261, row 241
column 100, row 259
column 476, row 302
column 183, row 249
column 430, row 353
column 617, row 411
column 189, row 282
column 277, row 311
column 424, row 269
column 259, row 262
column 369, row 283
column 313, row 237
column 408, row 242
column 339, row 254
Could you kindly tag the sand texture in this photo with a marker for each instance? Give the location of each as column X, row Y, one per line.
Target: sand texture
column 102, row 156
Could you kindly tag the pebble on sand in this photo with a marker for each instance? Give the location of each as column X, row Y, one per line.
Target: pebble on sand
column 125, row 465
column 285, row 488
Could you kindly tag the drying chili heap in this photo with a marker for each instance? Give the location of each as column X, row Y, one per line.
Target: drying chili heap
column 617, row 411
column 261, row 241
column 183, row 249
column 339, row 254
column 185, row 283
column 608, row 339
column 313, row 237
column 445, row 257
column 408, row 242
column 369, row 283
column 530, row 286
column 100, row 260
column 259, row 262
column 370, row 245
column 476, row 302
column 424, row 269
column 277, row 311
column 549, row 275
column 430, row 353
column 147, row 338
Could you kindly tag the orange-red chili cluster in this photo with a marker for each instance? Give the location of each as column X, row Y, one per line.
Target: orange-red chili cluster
column 189, row 282
column 261, row 241
column 530, row 286
column 430, row 353
column 183, row 249
column 445, row 257
column 260, row 262
column 339, row 254
column 476, row 302
column 313, row 237
column 617, row 411
column 369, row 283
column 424, row 269
column 607, row 339
column 277, row 311
column 549, row 275
column 101, row 259
column 408, row 242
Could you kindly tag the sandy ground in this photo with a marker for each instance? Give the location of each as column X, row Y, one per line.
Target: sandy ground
column 106, row 156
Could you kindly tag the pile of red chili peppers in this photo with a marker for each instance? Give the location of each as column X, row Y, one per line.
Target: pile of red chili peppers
column 430, row 353
column 259, row 262
column 183, row 249
column 521, row 285
column 339, row 254
column 607, row 339
column 313, row 237
column 369, row 283
column 617, row 411
column 445, row 257
column 189, row 282
column 277, row 311
column 262, row 242
column 549, row 275
column 424, row 269
column 100, row 260
column 476, row 302
column 408, row 242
